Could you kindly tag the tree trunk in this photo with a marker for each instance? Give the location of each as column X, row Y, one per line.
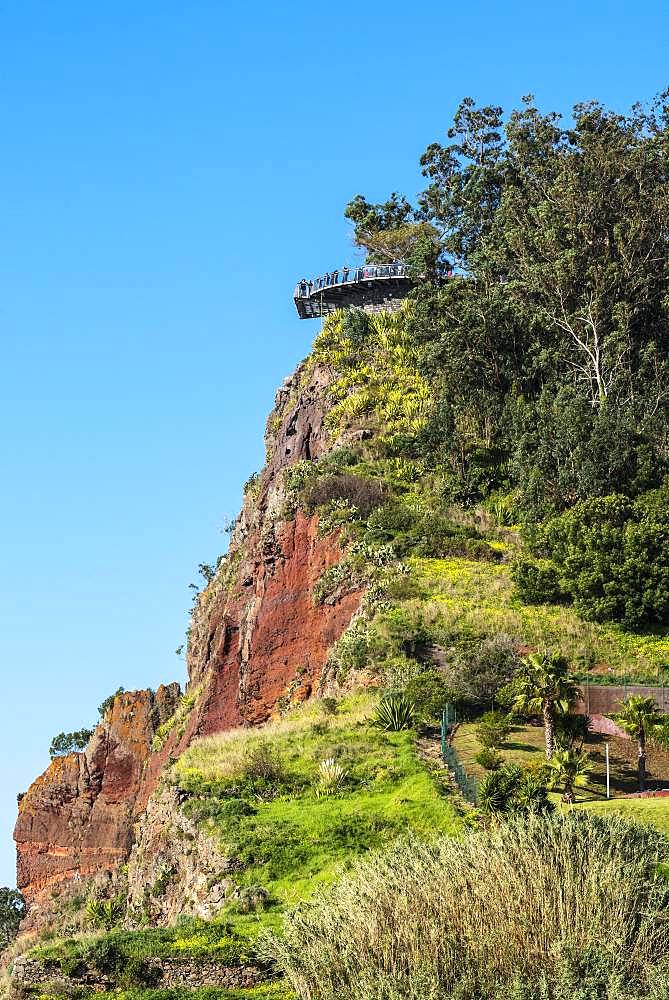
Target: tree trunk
column 568, row 795
column 642, row 760
column 549, row 729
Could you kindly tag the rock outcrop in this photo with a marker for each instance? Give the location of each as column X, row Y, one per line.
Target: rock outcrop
column 257, row 643
column 76, row 819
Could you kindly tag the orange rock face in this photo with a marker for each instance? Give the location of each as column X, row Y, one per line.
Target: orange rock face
column 76, row 819
column 257, row 642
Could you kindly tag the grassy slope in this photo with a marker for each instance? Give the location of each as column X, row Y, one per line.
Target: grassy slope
column 461, row 595
column 294, row 841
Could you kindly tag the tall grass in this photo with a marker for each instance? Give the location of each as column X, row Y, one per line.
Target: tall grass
column 533, row 902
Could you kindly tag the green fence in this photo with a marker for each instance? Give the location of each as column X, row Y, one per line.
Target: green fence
column 465, row 782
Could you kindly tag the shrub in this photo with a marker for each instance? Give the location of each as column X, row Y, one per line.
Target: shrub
column 264, row 768
column 66, row 743
column 470, row 917
column 536, row 581
column 105, row 913
column 395, row 713
column 489, row 759
column 108, row 702
column 511, row 790
column 493, row 729
column 331, row 777
column 359, row 492
column 429, row 694
column 613, row 556
column 477, row 676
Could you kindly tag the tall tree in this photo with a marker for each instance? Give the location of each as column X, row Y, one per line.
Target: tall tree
column 641, row 719
column 543, row 686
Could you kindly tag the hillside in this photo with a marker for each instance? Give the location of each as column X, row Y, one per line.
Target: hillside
column 453, row 496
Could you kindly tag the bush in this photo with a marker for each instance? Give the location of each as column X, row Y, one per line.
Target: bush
column 613, row 556
column 394, row 714
column 478, row 675
column 493, row 729
column 489, row 759
column 537, row 581
column 66, row 743
column 108, row 702
column 331, row 777
column 359, row 492
column 470, row 917
column 512, row 790
column 429, row 694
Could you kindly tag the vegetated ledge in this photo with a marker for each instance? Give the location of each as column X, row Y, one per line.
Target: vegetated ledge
column 162, row 973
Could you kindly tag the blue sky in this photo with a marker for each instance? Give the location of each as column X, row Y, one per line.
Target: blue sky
column 167, row 172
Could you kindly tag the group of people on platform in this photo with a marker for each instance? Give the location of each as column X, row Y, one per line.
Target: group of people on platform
column 346, row 274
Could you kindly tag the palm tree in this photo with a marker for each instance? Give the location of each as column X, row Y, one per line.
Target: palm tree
column 568, row 768
column 543, row 686
column 641, row 719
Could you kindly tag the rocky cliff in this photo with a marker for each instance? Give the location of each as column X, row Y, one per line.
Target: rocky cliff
column 257, row 642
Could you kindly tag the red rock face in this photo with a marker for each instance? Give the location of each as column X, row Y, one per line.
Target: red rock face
column 76, row 819
column 274, row 644
column 257, row 641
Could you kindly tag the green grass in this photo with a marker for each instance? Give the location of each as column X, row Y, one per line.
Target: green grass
column 296, row 840
column 526, row 747
column 290, row 839
column 653, row 812
column 267, row 991
column 460, row 596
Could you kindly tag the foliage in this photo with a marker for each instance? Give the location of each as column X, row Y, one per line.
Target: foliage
column 543, row 686
column 510, row 790
column 331, row 777
column 537, row 581
column 641, row 718
column 546, row 354
column 377, row 373
column 428, row 692
column 65, row 743
column 106, row 705
column 612, row 555
column 568, row 769
column 444, row 919
column 12, row 912
column 489, row 759
column 394, row 713
column 105, row 913
column 493, row 729
column 360, row 492
column 480, row 673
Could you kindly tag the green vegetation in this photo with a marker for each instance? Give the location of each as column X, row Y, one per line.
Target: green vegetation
column 443, row 919
column 65, row 743
column 543, row 686
column 105, row 706
column 643, row 721
column 260, row 793
column 12, row 912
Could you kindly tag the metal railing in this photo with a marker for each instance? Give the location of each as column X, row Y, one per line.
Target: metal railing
column 349, row 276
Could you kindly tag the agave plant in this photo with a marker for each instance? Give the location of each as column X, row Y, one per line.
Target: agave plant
column 104, row 913
column 394, row 713
column 331, row 777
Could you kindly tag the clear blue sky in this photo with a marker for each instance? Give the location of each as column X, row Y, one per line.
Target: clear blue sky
column 167, row 171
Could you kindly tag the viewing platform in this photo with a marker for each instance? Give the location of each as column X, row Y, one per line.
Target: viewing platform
column 373, row 287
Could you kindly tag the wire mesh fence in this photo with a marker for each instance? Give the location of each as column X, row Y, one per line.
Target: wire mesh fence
column 465, row 782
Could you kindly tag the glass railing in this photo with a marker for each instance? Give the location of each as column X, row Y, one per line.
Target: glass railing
column 348, row 276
